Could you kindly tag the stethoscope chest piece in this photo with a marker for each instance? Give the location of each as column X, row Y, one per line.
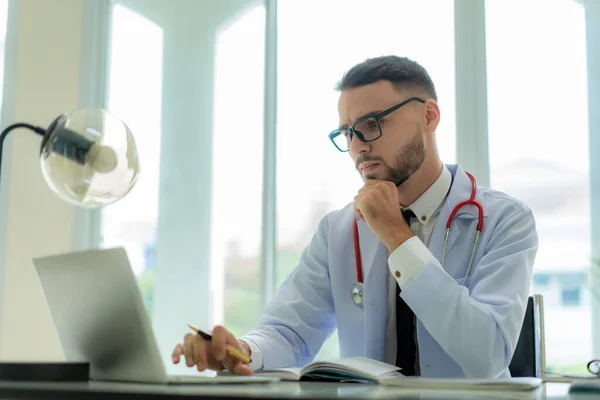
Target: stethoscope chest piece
column 357, row 293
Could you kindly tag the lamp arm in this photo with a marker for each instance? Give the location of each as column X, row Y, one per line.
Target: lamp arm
column 8, row 129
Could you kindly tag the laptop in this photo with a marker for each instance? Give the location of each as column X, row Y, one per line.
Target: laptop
column 100, row 318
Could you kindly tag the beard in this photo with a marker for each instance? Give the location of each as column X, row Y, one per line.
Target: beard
column 408, row 160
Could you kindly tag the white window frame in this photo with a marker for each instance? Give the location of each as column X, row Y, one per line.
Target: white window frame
column 592, row 22
column 95, row 60
column 471, row 89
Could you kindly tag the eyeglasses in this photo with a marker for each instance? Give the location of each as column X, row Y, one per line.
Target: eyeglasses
column 366, row 129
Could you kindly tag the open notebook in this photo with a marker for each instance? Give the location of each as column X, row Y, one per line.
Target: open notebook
column 365, row 370
column 351, row 369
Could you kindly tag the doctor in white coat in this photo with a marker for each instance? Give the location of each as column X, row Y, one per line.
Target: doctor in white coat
column 435, row 302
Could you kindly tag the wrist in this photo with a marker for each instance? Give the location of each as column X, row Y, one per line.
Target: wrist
column 396, row 240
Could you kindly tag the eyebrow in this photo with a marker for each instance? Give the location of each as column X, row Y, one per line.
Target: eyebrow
column 369, row 114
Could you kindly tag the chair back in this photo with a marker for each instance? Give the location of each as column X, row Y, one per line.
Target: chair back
column 529, row 356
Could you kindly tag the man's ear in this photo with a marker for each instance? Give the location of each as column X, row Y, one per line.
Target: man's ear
column 432, row 116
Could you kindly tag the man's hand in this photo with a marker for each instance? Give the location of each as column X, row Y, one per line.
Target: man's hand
column 212, row 354
column 378, row 206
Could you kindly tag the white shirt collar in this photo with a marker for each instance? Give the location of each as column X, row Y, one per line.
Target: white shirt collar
column 430, row 201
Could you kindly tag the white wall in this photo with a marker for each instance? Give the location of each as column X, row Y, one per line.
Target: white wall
column 43, row 68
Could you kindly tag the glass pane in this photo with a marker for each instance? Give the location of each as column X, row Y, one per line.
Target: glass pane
column 237, row 172
column 135, row 95
column 313, row 177
column 538, row 137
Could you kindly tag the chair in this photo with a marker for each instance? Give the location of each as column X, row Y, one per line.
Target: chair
column 529, row 359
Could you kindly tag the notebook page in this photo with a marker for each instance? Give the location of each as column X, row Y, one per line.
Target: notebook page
column 288, row 374
column 362, row 366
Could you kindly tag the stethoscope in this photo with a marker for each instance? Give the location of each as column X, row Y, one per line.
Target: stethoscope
column 357, row 290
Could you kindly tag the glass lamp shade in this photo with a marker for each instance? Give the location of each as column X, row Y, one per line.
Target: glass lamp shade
column 89, row 158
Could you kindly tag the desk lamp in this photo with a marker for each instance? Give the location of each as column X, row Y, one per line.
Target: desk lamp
column 89, row 159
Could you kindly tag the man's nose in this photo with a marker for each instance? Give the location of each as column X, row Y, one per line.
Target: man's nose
column 357, row 146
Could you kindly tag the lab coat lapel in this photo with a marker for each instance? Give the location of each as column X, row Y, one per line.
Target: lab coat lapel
column 436, row 243
column 375, row 270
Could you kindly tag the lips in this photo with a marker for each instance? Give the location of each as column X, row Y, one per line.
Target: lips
column 368, row 165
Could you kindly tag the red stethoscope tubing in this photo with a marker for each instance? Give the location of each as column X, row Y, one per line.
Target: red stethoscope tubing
column 359, row 273
column 470, row 201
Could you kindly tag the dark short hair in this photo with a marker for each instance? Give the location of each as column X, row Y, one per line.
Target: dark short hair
column 400, row 71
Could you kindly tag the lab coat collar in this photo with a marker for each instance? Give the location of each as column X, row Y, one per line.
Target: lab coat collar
column 432, row 199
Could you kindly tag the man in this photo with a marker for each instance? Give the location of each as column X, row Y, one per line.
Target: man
column 462, row 318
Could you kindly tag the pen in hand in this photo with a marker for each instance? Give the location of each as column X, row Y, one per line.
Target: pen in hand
column 232, row 351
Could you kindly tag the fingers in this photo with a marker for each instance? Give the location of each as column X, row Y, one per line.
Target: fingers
column 359, row 206
column 211, row 354
column 359, row 214
column 188, row 349
column 239, row 368
column 199, row 355
column 375, row 195
column 221, row 338
column 177, row 353
column 197, row 352
column 236, row 366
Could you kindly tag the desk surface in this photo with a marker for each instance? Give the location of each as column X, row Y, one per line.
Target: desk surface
column 278, row 390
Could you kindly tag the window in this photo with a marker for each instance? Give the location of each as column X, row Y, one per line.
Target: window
column 313, row 178
column 187, row 77
column 538, row 138
column 237, row 171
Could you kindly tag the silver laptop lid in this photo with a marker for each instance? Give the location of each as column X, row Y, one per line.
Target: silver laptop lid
column 99, row 315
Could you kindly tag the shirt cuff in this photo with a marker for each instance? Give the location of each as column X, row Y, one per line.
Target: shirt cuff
column 408, row 260
column 255, row 355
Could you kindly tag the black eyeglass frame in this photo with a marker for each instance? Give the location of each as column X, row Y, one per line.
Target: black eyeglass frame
column 376, row 117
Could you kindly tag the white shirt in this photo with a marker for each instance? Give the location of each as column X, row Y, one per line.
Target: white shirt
column 410, row 257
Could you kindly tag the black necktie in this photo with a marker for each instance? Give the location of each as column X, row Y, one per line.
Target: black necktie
column 406, row 353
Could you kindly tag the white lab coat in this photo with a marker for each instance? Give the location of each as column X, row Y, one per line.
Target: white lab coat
column 469, row 330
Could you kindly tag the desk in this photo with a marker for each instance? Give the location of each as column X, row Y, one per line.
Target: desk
column 279, row 390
